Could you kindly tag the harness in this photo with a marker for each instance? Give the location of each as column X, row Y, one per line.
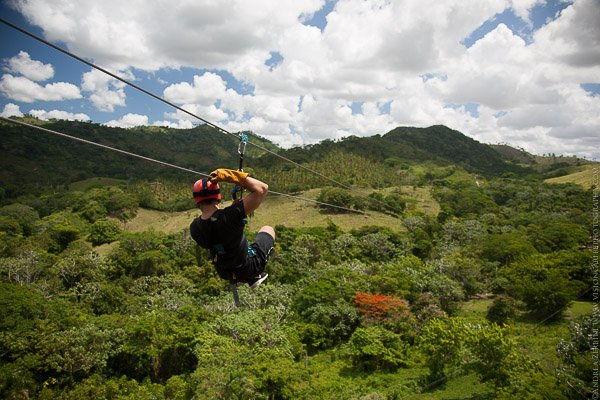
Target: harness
column 218, row 249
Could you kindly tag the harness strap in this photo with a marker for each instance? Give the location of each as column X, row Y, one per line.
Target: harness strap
column 205, row 191
column 218, row 249
column 251, row 250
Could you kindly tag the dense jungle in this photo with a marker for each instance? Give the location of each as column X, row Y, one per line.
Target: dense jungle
column 456, row 270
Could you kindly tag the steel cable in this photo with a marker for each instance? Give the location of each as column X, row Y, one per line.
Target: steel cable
column 22, row 123
column 159, row 98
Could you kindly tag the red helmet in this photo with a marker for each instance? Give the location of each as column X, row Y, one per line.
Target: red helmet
column 206, row 190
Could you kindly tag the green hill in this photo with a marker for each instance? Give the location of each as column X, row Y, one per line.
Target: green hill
column 385, row 160
column 550, row 166
column 34, row 160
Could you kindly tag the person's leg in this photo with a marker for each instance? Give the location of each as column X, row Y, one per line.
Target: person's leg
column 264, row 243
column 268, row 229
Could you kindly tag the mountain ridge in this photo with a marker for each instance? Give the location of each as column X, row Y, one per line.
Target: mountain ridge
column 32, row 160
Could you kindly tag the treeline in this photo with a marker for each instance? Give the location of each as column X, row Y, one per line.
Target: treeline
column 36, row 162
column 413, row 146
column 369, row 313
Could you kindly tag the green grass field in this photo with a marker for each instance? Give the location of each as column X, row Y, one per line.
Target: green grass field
column 583, row 177
column 292, row 213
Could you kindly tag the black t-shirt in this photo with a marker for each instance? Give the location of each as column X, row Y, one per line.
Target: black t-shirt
column 223, row 234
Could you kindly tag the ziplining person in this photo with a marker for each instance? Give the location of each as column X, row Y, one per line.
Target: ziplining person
column 222, row 230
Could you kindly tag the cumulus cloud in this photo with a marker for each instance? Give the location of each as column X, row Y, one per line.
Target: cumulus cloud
column 58, row 114
column 180, row 124
column 209, row 97
column 407, row 55
column 11, row 110
column 205, row 89
column 574, row 38
column 210, row 113
column 104, row 91
column 128, row 121
column 496, row 72
column 136, row 34
column 522, row 8
column 20, row 88
column 22, row 64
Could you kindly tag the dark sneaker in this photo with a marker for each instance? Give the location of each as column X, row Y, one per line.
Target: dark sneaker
column 258, row 281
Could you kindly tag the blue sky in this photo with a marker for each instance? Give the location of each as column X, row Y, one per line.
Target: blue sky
column 519, row 72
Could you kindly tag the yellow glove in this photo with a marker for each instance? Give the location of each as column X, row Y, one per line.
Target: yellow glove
column 229, row 175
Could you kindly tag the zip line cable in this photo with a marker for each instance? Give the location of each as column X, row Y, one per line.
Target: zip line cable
column 218, row 128
column 64, row 135
column 157, row 97
column 102, row 145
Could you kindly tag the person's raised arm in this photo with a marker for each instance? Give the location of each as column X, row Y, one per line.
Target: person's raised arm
column 258, row 190
column 258, row 193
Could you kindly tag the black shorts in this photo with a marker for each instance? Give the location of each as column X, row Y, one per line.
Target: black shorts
column 263, row 245
column 257, row 258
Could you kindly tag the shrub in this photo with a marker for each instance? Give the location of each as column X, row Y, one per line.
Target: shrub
column 502, row 310
column 117, row 203
column 23, row 214
column 337, row 197
column 376, row 246
column 104, row 231
column 543, row 284
column 443, row 342
column 395, row 204
column 576, row 356
column 505, row 247
column 359, row 202
column 93, row 211
column 485, row 349
column 376, row 348
column 10, row 226
column 334, row 323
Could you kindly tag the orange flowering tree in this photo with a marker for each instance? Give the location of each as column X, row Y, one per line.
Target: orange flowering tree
column 381, row 307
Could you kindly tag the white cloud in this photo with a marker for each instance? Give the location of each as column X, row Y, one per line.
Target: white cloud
column 128, row 121
column 210, row 113
column 206, row 89
column 147, row 36
column 574, row 38
column 11, row 110
column 408, row 54
column 22, row 89
column 58, row 114
column 104, row 91
column 180, row 124
column 497, row 72
column 522, row 8
column 22, row 64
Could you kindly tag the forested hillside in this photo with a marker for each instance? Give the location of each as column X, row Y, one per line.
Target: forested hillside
column 32, row 159
column 437, row 144
column 485, row 294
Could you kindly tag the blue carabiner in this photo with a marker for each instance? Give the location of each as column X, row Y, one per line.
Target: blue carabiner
column 242, row 145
